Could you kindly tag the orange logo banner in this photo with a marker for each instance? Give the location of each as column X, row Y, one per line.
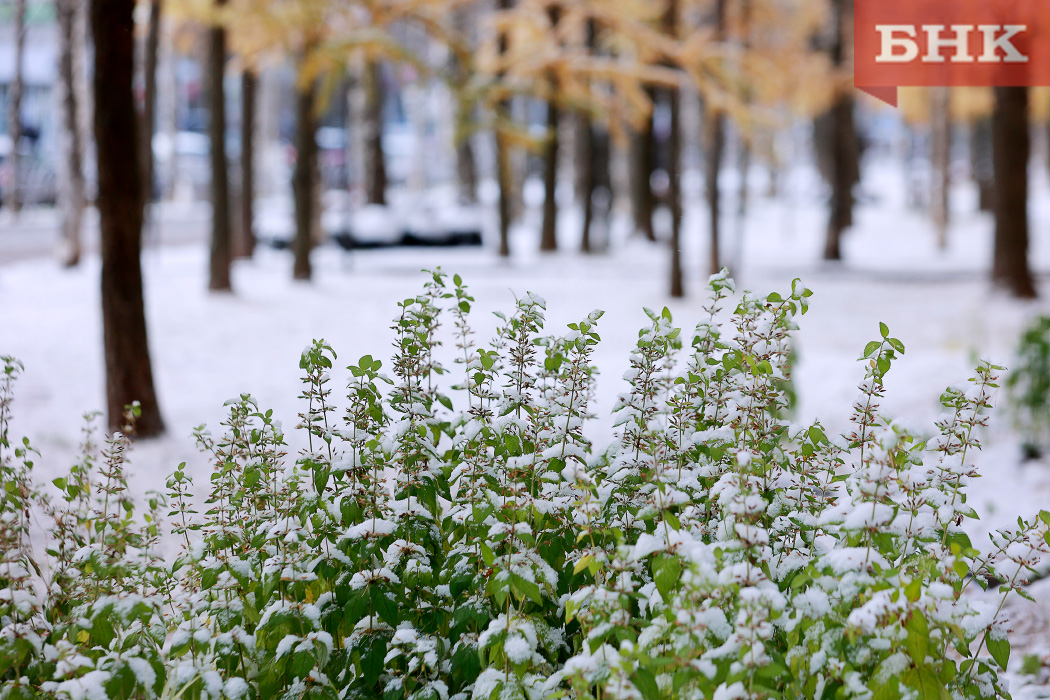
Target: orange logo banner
column 901, row 43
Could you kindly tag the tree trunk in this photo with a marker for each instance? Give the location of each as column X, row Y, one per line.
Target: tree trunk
column 221, row 239
column 246, row 247
column 375, row 158
column 981, row 162
column 1011, row 149
column 549, row 230
column 149, row 102
column 14, row 115
column 466, row 165
column 503, row 165
column 843, row 155
column 642, row 161
column 71, row 190
column 674, row 148
column 129, row 376
column 940, row 157
column 303, row 178
column 714, row 140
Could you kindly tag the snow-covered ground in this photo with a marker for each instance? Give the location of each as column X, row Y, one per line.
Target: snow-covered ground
column 207, row 347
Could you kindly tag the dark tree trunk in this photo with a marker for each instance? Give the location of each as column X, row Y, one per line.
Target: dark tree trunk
column 149, row 101
column 72, row 190
column 14, row 105
column 714, row 140
column 303, row 181
column 981, row 162
column 1011, row 150
column 940, row 157
column 674, row 148
column 503, row 165
column 842, row 155
column 129, row 376
column 375, row 157
column 221, row 238
column 643, row 160
column 246, row 247
column 549, row 230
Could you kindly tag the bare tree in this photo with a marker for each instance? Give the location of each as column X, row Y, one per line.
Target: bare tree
column 466, row 165
column 714, row 146
column 14, row 105
column 1011, row 150
column 303, row 180
column 503, row 165
column 642, row 162
column 246, row 245
column 674, row 147
column 549, row 227
column 149, row 101
column 72, row 190
column 837, row 136
column 129, row 374
column 221, row 238
column 375, row 156
column 940, row 157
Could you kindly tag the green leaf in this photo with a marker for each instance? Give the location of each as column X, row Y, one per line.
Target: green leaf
column 645, row 681
column 666, row 570
column 918, row 640
column 999, row 649
column 926, row 682
column 884, row 330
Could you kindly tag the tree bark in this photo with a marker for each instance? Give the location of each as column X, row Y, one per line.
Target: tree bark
column 714, row 140
column 503, row 165
column 1011, row 149
column 981, row 162
column 375, row 158
column 549, row 230
column 14, row 114
column 466, row 165
column 674, row 143
column 129, row 375
column 303, row 181
column 221, row 253
column 149, row 102
column 246, row 247
column 72, row 189
column 940, row 157
column 642, row 161
column 843, row 153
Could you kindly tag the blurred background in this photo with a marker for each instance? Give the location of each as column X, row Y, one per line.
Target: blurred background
column 238, row 177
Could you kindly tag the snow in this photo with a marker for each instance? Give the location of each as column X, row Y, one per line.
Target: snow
column 208, row 347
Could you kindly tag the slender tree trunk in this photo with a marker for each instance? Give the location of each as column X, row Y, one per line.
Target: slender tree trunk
column 71, row 191
column 843, row 161
column 14, row 115
column 1011, row 149
column 503, row 165
column 549, row 228
column 585, row 177
column 149, row 102
column 466, row 165
column 375, row 158
column 981, row 162
column 221, row 238
column 940, row 156
column 303, row 180
column 714, row 142
column 674, row 148
column 246, row 248
column 642, row 161
column 129, row 375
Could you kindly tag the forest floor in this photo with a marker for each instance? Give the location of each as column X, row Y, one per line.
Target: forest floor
column 208, row 347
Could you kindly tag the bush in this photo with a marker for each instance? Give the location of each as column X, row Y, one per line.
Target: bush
column 423, row 548
column 1028, row 387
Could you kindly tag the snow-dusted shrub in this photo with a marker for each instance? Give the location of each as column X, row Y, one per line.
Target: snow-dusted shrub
column 454, row 533
column 1028, row 386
